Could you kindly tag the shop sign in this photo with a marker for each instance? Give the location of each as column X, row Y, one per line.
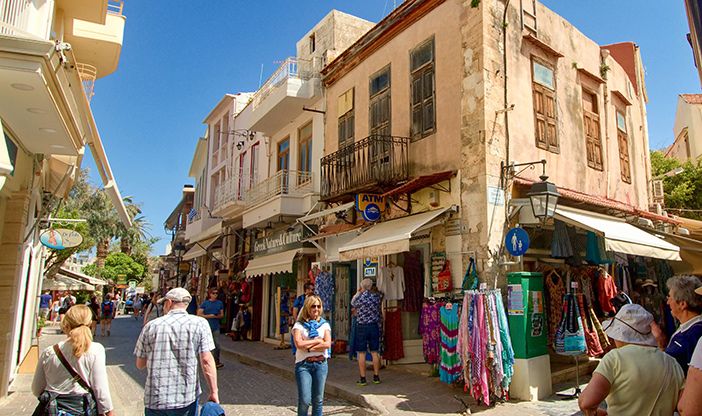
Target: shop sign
column 453, row 227
column 61, row 238
column 496, row 196
column 515, row 300
column 370, row 267
column 370, row 206
column 517, row 241
column 132, row 284
column 281, row 240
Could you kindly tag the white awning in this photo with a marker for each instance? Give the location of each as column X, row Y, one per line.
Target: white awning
column 325, row 212
column 84, row 277
column 61, row 282
column 200, row 248
column 274, row 263
column 619, row 236
column 388, row 237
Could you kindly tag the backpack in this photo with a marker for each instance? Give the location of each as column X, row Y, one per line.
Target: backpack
column 107, row 308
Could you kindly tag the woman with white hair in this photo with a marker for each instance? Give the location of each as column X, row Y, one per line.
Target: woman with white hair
column 71, row 376
column 636, row 378
column 685, row 306
column 691, row 399
column 366, row 304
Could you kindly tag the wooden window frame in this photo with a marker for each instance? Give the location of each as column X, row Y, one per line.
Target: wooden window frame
column 592, row 118
column 420, row 74
column 346, row 123
column 375, row 99
column 285, row 153
column 304, row 144
column 623, row 144
column 537, row 88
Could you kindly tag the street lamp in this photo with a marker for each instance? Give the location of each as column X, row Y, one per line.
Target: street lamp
column 542, row 195
column 178, row 251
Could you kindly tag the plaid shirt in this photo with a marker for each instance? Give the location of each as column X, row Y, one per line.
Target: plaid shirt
column 172, row 345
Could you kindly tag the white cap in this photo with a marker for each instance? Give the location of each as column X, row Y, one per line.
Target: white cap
column 632, row 325
column 177, row 294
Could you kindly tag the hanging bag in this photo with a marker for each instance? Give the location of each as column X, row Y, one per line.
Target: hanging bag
column 470, row 279
column 570, row 338
column 445, row 280
column 594, row 348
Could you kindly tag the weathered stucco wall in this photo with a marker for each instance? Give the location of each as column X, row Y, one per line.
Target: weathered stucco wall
column 690, row 116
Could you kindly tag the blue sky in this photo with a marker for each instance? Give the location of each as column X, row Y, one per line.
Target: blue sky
column 180, row 58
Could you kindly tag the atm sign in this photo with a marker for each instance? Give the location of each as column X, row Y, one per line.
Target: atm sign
column 363, row 200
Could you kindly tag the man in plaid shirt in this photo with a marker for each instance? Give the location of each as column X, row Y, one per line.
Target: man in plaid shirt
column 169, row 348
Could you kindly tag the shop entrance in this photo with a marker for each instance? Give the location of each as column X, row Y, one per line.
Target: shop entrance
column 281, row 296
column 344, row 287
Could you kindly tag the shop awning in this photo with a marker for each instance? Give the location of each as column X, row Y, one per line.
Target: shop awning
column 61, row 282
column 619, row 236
column 200, row 248
column 274, row 263
column 690, row 252
column 420, row 182
column 388, row 237
column 325, row 212
column 83, row 277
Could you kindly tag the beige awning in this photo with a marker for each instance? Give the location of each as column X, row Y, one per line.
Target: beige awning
column 83, row 277
column 619, row 236
column 274, row 263
column 388, row 237
column 61, row 282
column 690, row 252
column 200, row 248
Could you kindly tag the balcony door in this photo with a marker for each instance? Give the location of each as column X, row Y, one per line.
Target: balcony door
column 379, row 122
column 284, row 163
column 241, row 181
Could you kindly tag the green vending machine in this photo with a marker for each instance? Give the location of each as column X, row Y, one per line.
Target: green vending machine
column 526, row 314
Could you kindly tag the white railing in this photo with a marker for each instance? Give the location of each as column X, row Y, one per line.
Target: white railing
column 88, row 74
column 115, row 7
column 22, row 18
column 288, row 69
column 284, row 182
column 234, row 189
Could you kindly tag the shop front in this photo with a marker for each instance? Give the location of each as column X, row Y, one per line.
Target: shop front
column 280, row 266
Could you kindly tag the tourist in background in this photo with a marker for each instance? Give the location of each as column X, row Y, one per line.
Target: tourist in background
column 212, row 309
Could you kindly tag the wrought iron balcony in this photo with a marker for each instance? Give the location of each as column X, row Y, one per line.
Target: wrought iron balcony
column 284, row 182
column 374, row 163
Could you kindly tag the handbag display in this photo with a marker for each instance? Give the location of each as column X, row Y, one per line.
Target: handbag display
column 570, row 337
column 470, row 279
column 592, row 340
column 445, row 280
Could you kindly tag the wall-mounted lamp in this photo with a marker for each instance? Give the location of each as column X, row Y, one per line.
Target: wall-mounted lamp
column 245, row 133
column 239, row 144
column 543, row 195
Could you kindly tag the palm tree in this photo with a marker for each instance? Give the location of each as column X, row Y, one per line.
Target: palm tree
column 139, row 231
column 103, row 223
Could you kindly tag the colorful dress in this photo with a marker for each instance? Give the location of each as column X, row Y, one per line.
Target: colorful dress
column 429, row 329
column 450, row 368
column 324, row 288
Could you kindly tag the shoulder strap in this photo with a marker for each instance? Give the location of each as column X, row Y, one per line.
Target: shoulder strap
column 76, row 377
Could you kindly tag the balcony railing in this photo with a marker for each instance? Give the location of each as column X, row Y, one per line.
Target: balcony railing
column 115, row 7
column 24, row 18
column 88, row 74
column 374, row 163
column 233, row 189
column 288, row 69
column 284, row 182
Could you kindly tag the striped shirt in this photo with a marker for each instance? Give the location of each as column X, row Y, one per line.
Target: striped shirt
column 172, row 345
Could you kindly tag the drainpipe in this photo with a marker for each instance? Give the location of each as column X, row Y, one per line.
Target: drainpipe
column 504, row 69
column 604, row 54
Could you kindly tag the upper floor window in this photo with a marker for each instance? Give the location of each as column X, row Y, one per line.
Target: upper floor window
column 346, row 118
column 379, row 103
column 423, row 90
column 304, row 161
column 253, row 168
column 545, row 117
column 591, row 124
column 623, row 141
column 284, row 154
column 313, row 43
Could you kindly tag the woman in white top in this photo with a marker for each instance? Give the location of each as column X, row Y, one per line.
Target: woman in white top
column 312, row 336
column 86, row 357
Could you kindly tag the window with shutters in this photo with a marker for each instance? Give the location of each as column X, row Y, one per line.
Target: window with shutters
column 623, row 140
column 591, row 124
column 346, row 118
column 379, row 103
column 545, row 116
column 423, row 90
column 304, row 161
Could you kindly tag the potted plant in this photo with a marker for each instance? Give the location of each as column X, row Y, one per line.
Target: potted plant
column 41, row 323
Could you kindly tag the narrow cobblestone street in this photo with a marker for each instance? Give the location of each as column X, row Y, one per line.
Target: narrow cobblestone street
column 243, row 390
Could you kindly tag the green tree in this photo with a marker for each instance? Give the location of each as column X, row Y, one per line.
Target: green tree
column 683, row 191
column 117, row 265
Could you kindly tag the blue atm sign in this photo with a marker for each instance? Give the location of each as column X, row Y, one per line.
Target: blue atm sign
column 370, row 206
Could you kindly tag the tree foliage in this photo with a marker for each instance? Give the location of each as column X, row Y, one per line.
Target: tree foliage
column 683, row 192
column 118, row 267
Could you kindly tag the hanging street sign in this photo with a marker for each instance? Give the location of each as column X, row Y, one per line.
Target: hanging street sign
column 370, row 206
column 517, row 241
column 60, row 238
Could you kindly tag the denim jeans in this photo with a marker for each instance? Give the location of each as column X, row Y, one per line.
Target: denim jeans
column 182, row 411
column 310, row 379
column 215, row 351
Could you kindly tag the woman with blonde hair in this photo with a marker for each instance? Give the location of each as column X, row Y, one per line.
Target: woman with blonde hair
column 312, row 336
column 71, row 376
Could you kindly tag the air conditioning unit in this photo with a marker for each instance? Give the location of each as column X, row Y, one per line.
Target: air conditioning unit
column 658, row 192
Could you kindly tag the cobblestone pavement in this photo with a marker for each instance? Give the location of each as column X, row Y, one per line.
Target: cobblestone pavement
column 243, row 390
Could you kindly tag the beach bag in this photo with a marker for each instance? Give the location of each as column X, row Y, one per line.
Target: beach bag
column 470, row 279
column 592, row 340
column 570, row 337
column 445, row 280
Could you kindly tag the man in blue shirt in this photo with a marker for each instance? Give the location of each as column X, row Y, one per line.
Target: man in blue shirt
column 213, row 310
column 45, row 304
column 300, row 300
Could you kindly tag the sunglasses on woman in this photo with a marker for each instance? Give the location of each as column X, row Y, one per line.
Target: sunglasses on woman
column 316, row 306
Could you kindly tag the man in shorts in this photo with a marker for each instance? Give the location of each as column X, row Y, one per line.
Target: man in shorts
column 366, row 303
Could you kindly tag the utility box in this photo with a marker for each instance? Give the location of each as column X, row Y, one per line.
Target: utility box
column 526, row 315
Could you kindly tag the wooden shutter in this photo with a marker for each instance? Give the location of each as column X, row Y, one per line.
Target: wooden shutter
column 591, row 124
column 545, row 117
column 623, row 140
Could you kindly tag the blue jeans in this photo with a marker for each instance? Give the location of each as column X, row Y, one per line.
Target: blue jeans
column 310, row 379
column 215, row 351
column 190, row 410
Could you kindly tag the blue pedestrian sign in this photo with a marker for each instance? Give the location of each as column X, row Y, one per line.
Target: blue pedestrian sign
column 517, row 241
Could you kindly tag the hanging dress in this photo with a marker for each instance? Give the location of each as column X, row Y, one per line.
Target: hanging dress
column 450, row 368
column 429, row 329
